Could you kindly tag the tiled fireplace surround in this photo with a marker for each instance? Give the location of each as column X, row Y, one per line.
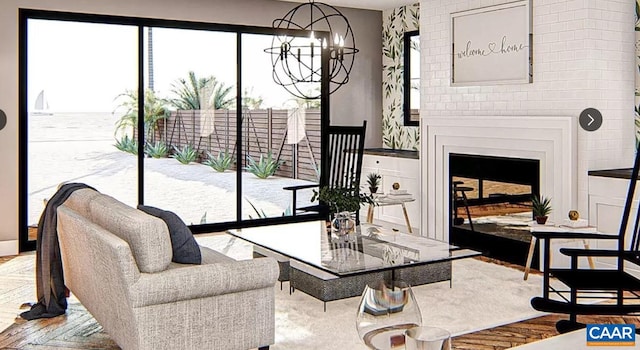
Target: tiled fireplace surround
column 550, row 139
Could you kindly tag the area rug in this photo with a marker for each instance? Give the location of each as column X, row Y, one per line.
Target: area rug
column 483, row 295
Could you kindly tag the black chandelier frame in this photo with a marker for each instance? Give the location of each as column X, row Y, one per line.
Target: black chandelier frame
column 296, row 60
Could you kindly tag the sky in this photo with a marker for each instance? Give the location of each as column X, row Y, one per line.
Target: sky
column 83, row 67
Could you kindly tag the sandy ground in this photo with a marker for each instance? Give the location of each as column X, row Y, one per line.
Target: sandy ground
column 78, row 147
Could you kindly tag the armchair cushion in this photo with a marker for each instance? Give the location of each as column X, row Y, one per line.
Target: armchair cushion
column 184, row 246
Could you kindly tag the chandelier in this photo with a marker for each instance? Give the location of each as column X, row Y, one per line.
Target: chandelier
column 296, row 60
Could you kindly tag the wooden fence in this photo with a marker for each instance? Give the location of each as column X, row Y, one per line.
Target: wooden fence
column 264, row 131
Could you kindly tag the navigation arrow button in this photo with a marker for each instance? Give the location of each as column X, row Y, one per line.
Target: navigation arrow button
column 590, row 119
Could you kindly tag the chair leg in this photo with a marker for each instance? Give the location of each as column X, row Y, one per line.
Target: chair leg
column 565, row 326
column 466, row 205
column 527, row 266
column 293, row 204
column 592, row 265
column 406, row 217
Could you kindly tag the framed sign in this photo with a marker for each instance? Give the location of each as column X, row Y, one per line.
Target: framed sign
column 492, row 45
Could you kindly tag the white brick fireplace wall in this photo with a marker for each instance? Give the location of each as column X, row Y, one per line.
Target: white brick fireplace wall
column 583, row 56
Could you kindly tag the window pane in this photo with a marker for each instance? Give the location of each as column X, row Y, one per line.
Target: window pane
column 75, row 72
column 281, row 135
column 415, row 78
column 191, row 123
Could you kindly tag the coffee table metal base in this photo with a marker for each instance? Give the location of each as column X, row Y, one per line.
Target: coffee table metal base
column 328, row 287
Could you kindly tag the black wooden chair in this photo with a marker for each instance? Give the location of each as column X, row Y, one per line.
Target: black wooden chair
column 346, row 147
column 616, row 285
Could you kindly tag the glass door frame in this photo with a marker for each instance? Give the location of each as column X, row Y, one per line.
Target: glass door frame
column 141, row 23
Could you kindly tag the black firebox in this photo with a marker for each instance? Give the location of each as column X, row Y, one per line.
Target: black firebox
column 488, row 181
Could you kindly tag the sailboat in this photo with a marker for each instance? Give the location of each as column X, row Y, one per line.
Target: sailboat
column 42, row 105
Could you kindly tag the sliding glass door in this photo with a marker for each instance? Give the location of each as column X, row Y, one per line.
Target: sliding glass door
column 179, row 115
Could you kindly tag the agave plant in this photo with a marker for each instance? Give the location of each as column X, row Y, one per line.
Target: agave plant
column 541, row 205
column 264, row 167
column 541, row 208
column 157, row 149
column 185, row 155
column 219, row 163
column 127, row 144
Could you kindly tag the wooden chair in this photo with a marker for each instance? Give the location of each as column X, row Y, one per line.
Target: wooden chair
column 617, row 285
column 346, row 147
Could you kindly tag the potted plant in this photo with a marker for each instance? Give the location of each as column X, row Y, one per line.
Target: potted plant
column 541, row 208
column 373, row 180
column 339, row 199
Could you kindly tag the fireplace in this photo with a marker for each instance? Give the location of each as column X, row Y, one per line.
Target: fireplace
column 492, row 181
column 550, row 140
column 491, row 204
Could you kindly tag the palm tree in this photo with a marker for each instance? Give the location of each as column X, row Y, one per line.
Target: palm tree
column 155, row 109
column 250, row 102
column 201, row 93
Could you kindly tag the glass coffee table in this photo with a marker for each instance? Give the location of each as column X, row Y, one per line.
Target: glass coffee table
column 329, row 267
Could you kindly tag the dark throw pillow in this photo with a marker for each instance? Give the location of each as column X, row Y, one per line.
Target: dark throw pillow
column 185, row 248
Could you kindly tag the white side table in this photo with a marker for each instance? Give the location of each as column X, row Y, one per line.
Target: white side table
column 385, row 200
column 549, row 227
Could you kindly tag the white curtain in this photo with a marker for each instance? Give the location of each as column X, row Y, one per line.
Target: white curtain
column 296, row 125
column 207, row 111
column 207, row 122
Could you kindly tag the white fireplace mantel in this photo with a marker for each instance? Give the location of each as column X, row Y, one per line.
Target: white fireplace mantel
column 550, row 139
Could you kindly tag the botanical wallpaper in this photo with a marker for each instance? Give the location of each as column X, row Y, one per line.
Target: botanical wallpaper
column 395, row 23
column 637, row 104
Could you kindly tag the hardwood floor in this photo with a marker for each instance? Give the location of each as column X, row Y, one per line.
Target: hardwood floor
column 515, row 334
column 79, row 330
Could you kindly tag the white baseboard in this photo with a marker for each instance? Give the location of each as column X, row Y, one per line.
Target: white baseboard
column 9, row 247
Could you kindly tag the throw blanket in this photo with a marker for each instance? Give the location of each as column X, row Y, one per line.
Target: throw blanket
column 50, row 288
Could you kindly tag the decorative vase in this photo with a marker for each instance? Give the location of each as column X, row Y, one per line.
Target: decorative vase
column 385, row 312
column 541, row 220
column 373, row 189
column 343, row 223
